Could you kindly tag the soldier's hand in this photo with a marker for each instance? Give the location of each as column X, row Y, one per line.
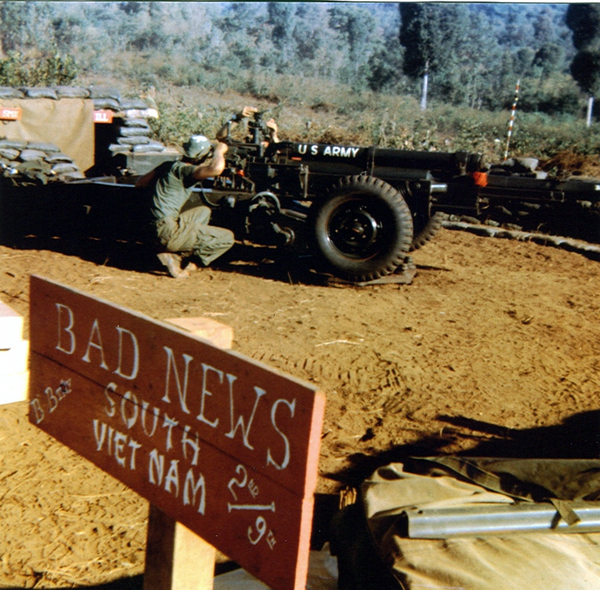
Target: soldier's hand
column 221, row 148
column 247, row 112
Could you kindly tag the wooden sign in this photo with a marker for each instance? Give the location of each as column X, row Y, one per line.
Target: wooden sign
column 103, row 116
column 225, row 445
column 10, row 113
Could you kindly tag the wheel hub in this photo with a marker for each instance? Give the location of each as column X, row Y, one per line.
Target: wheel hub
column 355, row 231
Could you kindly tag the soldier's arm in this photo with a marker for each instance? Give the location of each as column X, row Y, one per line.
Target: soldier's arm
column 214, row 166
column 146, row 180
column 273, row 130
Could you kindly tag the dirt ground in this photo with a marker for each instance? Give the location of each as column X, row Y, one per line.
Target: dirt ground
column 493, row 349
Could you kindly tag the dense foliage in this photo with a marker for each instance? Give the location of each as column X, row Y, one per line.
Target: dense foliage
column 475, row 52
column 340, row 71
column 55, row 69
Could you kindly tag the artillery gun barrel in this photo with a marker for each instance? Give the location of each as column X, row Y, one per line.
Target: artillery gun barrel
column 343, row 159
column 445, row 162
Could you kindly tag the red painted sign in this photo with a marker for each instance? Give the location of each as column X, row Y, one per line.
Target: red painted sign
column 225, row 445
column 103, row 116
column 10, row 113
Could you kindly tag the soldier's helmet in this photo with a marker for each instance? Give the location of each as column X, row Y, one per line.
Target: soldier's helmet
column 197, row 147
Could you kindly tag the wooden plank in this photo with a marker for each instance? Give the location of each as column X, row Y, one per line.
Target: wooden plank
column 224, row 445
column 176, row 557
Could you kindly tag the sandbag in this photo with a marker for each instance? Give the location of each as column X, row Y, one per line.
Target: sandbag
column 9, row 92
column 35, row 92
column 71, row 92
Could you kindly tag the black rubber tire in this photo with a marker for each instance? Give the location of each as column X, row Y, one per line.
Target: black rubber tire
column 594, row 234
column 363, row 229
column 425, row 229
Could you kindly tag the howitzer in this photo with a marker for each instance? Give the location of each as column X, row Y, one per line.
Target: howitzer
column 358, row 210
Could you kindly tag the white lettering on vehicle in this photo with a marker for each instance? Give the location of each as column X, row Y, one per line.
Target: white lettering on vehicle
column 337, row 151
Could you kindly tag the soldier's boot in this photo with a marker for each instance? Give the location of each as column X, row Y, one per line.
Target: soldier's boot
column 173, row 263
column 191, row 266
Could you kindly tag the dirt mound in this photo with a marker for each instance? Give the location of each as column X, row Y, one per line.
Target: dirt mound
column 568, row 163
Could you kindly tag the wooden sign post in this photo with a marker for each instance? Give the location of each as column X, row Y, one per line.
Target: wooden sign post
column 218, row 442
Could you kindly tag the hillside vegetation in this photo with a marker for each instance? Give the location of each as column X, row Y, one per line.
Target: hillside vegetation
column 340, row 72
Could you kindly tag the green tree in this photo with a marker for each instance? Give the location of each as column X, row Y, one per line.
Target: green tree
column 450, row 43
column 385, row 67
column 21, row 24
column 585, row 69
column 354, row 27
column 281, row 19
column 549, row 58
column 544, row 29
column 478, row 63
column 305, row 41
column 243, row 26
column 417, row 36
column 584, row 22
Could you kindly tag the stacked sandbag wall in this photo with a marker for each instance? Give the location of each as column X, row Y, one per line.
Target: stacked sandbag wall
column 133, row 134
column 40, row 162
column 127, row 132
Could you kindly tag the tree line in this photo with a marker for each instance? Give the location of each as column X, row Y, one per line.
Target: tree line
column 473, row 53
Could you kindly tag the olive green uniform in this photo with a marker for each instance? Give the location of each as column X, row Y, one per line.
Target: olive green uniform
column 186, row 232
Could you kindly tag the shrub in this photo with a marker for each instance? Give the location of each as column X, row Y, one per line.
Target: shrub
column 52, row 70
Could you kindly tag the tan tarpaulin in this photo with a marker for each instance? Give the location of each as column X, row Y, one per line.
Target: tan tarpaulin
column 532, row 561
column 68, row 123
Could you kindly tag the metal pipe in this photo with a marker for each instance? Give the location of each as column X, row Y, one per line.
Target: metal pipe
column 490, row 519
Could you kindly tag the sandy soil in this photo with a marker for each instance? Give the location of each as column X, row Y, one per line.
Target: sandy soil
column 493, row 349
